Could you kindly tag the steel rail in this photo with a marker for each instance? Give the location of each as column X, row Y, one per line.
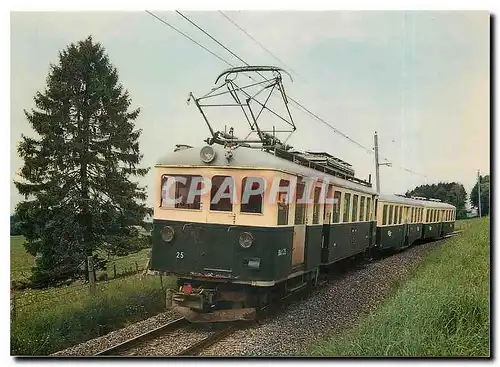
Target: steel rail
column 149, row 335
column 207, row 341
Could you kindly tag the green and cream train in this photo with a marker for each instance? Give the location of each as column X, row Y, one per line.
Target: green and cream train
column 232, row 256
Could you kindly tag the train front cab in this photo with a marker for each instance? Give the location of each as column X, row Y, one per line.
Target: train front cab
column 233, row 252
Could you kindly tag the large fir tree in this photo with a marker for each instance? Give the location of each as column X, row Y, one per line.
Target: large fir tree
column 80, row 175
column 448, row 192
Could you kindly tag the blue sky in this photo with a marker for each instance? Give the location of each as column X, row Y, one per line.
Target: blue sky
column 421, row 79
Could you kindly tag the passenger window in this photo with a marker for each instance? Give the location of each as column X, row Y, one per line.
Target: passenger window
column 362, row 209
column 400, row 214
column 283, row 200
column 347, row 207
column 427, row 215
column 396, row 211
column 327, row 213
column 300, row 208
column 252, row 194
column 384, row 215
column 337, row 196
column 221, row 195
column 177, row 188
column 316, row 206
column 354, row 217
column 368, row 208
column 391, row 211
column 412, row 215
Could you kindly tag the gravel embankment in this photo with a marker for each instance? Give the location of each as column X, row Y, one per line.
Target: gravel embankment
column 93, row 346
column 336, row 306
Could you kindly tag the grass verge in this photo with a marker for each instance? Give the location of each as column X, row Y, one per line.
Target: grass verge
column 80, row 317
column 443, row 310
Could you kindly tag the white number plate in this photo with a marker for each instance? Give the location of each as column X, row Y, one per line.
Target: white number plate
column 282, row 252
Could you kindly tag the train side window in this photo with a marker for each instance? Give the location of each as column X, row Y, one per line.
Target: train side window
column 327, row 212
column 412, row 215
column 400, row 214
column 427, row 215
column 368, row 208
column 252, row 203
column 391, row 211
column 347, row 207
column 384, row 215
column 300, row 208
column 316, row 206
column 421, row 214
column 396, row 213
column 362, row 209
column 175, row 191
column 376, row 207
column 354, row 217
column 283, row 203
column 219, row 201
column 337, row 202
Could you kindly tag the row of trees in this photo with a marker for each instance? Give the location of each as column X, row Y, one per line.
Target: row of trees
column 79, row 177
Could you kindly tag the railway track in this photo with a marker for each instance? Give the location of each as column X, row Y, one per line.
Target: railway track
column 132, row 346
column 120, row 348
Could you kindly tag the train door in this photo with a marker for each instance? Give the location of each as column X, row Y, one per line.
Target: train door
column 327, row 218
column 299, row 228
column 372, row 217
column 213, row 241
column 406, row 212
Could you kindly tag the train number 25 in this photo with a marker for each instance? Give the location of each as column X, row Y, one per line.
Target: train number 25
column 179, row 255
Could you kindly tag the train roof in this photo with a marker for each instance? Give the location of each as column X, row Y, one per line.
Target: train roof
column 244, row 157
column 415, row 202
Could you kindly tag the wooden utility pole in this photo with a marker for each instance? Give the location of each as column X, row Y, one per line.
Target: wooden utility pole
column 377, row 164
column 91, row 275
column 479, row 192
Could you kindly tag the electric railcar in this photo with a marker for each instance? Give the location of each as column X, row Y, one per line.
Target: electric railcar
column 230, row 257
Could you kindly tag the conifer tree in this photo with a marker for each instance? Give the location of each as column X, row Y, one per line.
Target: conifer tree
column 80, row 173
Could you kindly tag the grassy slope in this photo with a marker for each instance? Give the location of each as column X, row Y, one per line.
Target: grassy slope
column 55, row 318
column 443, row 310
column 20, row 261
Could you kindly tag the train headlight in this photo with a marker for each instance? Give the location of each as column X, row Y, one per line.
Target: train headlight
column 167, row 234
column 207, row 154
column 245, row 239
